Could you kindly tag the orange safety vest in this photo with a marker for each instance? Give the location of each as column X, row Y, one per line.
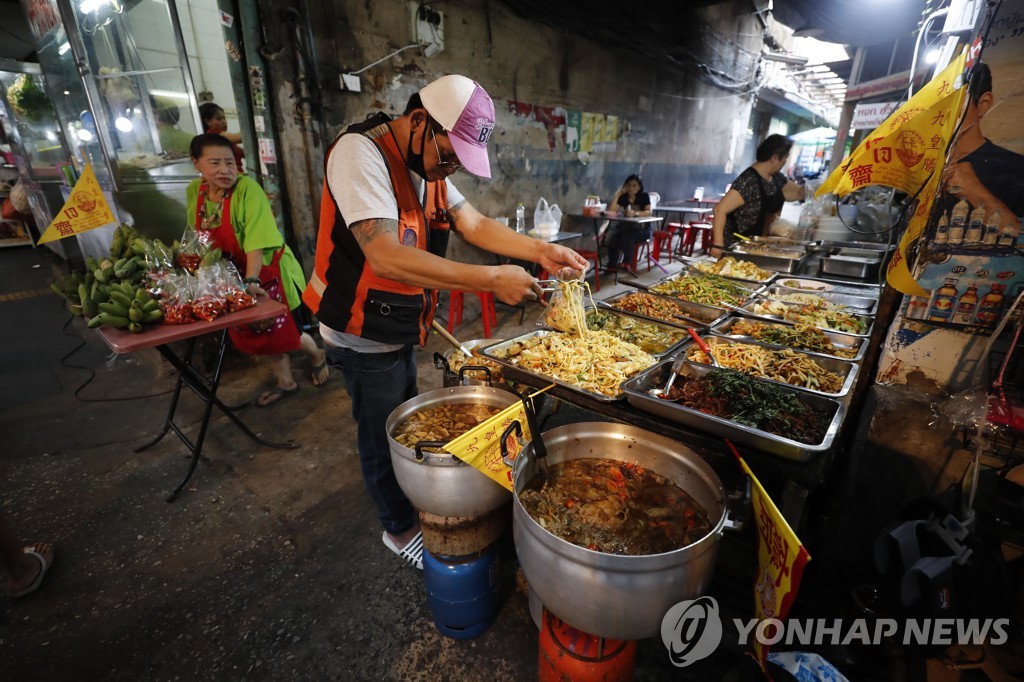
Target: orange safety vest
column 344, row 292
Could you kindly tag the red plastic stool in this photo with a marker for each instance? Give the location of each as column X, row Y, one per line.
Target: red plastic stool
column 702, row 230
column 487, row 310
column 663, row 239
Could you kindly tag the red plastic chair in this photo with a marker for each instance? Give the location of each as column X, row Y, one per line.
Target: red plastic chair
column 702, row 230
column 594, row 258
column 663, row 240
column 487, row 310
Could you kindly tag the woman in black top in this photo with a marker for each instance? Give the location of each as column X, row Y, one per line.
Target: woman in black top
column 755, row 199
column 632, row 201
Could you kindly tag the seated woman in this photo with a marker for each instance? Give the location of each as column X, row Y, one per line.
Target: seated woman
column 621, row 237
column 235, row 212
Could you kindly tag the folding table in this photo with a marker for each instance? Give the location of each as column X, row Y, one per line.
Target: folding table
column 160, row 337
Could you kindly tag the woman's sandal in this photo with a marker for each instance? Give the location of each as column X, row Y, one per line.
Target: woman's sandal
column 275, row 395
column 317, row 371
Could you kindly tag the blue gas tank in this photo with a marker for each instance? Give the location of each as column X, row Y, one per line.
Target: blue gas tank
column 462, row 592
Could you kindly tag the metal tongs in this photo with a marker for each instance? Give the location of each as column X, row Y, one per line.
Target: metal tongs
column 566, row 274
column 678, row 364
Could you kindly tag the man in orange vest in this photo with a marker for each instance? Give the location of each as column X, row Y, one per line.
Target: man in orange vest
column 385, row 217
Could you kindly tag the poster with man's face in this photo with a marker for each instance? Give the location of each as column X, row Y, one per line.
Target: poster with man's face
column 970, row 260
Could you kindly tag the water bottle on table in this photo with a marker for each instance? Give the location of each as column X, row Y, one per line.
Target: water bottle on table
column 520, row 217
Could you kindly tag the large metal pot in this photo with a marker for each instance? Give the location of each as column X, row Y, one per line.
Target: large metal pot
column 465, row 375
column 441, row 484
column 609, row 595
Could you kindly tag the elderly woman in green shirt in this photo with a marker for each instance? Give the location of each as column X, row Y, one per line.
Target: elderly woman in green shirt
column 235, row 214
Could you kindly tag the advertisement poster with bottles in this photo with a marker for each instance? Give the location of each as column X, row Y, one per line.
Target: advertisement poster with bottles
column 970, row 259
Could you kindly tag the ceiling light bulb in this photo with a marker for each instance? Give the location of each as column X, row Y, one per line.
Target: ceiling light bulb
column 123, row 124
column 932, row 56
column 84, row 135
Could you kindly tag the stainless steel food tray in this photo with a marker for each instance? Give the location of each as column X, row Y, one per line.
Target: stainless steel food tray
column 637, row 388
column 869, row 321
column 512, row 371
column 847, row 266
column 685, row 338
column 847, row 370
column 692, row 314
column 860, row 304
column 781, row 241
column 690, row 267
column 864, row 289
column 753, row 287
column 780, row 263
column 859, row 344
column 833, row 246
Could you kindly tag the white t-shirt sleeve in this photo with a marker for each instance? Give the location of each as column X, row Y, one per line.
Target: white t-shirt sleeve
column 454, row 195
column 358, row 178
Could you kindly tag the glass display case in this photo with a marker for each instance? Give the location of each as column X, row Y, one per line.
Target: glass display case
column 30, row 122
column 123, row 92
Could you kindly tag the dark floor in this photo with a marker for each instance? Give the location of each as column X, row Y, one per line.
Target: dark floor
column 269, row 566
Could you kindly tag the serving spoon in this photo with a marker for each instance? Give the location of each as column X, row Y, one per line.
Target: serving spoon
column 451, row 339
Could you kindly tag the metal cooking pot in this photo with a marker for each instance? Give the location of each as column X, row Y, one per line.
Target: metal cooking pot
column 466, row 375
column 440, row 483
column 610, row 595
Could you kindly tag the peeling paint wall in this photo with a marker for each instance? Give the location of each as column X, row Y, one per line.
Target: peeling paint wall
column 677, row 131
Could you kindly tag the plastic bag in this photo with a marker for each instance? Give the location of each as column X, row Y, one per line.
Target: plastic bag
column 159, row 266
column 209, row 302
column 193, row 247
column 547, row 219
column 178, row 290
column 233, row 288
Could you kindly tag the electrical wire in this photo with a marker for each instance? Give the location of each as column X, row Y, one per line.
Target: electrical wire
column 384, row 59
column 92, row 374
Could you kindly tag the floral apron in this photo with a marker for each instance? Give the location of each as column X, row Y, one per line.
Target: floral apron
column 283, row 335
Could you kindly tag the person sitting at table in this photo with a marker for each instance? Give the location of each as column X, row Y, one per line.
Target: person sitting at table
column 755, row 198
column 632, row 201
column 235, row 212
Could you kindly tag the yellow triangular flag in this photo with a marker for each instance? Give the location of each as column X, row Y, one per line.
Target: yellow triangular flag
column 781, row 559
column 910, row 144
column 86, row 209
column 480, row 447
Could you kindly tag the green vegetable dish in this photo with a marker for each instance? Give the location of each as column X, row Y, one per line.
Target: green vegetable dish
column 651, row 338
column 706, row 289
column 733, row 395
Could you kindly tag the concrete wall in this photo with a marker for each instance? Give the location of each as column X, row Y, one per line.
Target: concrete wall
column 677, row 131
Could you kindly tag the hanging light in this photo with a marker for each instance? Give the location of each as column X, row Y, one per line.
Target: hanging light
column 123, row 124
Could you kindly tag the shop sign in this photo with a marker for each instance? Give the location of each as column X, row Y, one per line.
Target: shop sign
column 872, row 115
column 882, row 86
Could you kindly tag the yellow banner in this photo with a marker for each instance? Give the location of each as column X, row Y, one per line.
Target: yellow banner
column 910, row 144
column 898, row 273
column 781, row 558
column 86, row 209
column 480, row 447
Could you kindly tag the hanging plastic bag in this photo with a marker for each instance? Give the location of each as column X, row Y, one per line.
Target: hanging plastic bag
column 547, row 219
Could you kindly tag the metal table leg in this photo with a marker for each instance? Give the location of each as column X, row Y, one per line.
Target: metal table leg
column 206, row 389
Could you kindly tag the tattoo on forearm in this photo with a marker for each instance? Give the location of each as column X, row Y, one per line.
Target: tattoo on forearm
column 453, row 214
column 365, row 231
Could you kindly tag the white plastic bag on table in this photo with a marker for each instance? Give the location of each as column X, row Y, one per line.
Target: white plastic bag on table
column 547, row 219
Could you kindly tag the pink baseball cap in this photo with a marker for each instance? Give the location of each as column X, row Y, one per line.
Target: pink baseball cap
column 466, row 112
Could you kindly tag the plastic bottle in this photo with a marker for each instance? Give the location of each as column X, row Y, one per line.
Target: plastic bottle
column 957, row 222
column 990, row 307
column 992, row 233
column 942, row 231
column 967, row 305
column 1009, row 234
column 917, row 306
column 975, row 226
column 520, row 217
column 943, row 302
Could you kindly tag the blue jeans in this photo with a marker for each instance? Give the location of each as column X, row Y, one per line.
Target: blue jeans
column 377, row 383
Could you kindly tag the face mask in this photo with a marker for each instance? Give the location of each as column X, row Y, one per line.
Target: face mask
column 415, row 161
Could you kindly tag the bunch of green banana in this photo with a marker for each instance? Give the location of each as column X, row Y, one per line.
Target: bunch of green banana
column 123, row 243
column 128, row 308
